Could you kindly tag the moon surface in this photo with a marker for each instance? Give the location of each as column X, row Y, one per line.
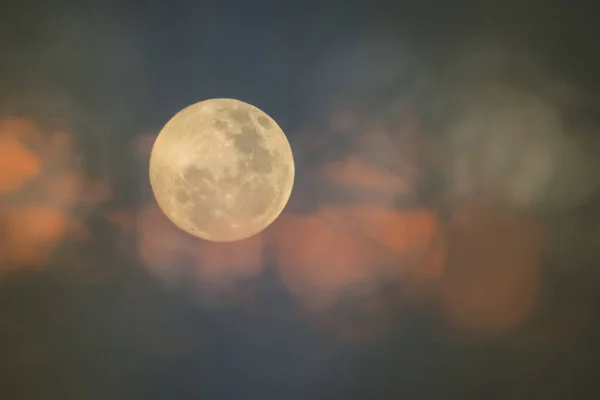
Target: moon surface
column 222, row 170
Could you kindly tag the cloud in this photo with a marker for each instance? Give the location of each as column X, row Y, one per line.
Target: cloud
column 351, row 171
column 342, row 249
column 33, row 232
column 17, row 164
column 367, row 247
column 515, row 133
column 179, row 259
column 42, row 185
column 492, row 281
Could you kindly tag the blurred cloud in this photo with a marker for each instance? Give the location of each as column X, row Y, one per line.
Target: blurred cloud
column 520, row 158
column 356, row 249
column 361, row 73
column 352, row 171
column 515, row 132
column 358, row 244
column 360, row 254
column 177, row 257
column 338, row 256
column 356, row 260
column 492, row 281
column 33, row 232
column 17, row 163
column 42, row 186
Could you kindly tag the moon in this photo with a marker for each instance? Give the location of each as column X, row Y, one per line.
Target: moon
column 222, row 170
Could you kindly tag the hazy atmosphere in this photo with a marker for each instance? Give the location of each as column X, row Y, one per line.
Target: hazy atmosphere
column 442, row 239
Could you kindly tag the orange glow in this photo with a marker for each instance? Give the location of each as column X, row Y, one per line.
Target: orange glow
column 492, row 282
column 353, row 172
column 166, row 250
column 40, row 170
column 342, row 248
column 17, row 164
column 159, row 241
column 19, row 128
column 64, row 188
column 33, row 232
column 317, row 261
column 350, row 248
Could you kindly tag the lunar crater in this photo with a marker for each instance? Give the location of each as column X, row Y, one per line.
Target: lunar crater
column 264, row 122
column 247, row 141
column 222, row 170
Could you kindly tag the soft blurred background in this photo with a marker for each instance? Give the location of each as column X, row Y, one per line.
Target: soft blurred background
column 442, row 240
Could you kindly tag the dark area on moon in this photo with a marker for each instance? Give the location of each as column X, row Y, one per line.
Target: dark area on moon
column 255, row 162
column 257, row 195
column 249, row 141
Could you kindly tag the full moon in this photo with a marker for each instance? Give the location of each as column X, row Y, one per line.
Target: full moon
column 222, row 170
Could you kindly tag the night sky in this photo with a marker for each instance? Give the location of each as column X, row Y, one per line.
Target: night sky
column 442, row 240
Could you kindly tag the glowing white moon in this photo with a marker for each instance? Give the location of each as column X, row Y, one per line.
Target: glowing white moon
column 222, row 170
